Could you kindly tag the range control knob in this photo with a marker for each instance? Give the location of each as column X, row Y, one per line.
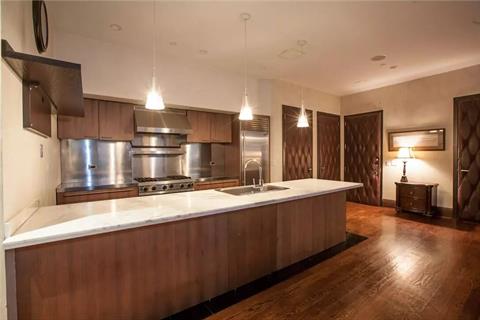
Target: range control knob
column 181, row 186
column 164, row 187
column 145, row 189
column 154, row 188
column 171, row 186
column 190, row 185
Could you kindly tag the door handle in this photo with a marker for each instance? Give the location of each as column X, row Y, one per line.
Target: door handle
column 464, row 170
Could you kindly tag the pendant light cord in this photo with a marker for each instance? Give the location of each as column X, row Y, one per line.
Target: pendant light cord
column 245, row 57
column 154, row 60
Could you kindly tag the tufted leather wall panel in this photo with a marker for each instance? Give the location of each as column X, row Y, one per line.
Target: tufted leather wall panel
column 328, row 146
column 467, row 123
column 363, row 156
column 297, row 145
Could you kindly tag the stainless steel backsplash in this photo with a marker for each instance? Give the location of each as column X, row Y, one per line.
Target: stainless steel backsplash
column 93, row 162
column 204, row 160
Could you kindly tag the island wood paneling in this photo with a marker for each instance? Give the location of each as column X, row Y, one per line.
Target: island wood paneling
column 251, row 236
column 151, row 272
column 294, row 231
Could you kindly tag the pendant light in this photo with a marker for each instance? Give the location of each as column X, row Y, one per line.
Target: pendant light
column 154, row 99
column 246, row 110
column 302, row 117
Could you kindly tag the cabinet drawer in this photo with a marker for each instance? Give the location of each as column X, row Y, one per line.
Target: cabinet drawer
column 96, row 195
column 413, row 192
column 413, row 204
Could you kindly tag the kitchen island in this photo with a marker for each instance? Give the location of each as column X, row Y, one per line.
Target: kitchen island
column 149, row 257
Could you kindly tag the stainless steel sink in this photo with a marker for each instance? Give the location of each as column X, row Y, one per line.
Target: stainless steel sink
column 241, row 191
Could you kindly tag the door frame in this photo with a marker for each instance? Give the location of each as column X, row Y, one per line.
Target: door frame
column 381, row 146
column 310, row 122
column 332, row 115
column 456, row 101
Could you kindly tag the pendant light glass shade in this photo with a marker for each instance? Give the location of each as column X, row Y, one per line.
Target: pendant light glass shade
column 154, row 99
column 246, row 110
column 302, row 117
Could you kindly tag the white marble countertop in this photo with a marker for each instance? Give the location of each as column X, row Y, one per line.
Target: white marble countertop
column 69, row 221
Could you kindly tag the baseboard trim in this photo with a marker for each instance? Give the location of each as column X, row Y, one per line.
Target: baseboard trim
column 442, row 212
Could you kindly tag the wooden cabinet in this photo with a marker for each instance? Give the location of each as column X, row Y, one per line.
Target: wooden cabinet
column 183, row 262
column 294, row 232
column 201, row 124
column 85, row 127
column 416, row 197
column 209, row 127
column 252, row 237
column 221, row 128
column 103, row 120
column 115, row 121
column 96, row 195
column 216, row 184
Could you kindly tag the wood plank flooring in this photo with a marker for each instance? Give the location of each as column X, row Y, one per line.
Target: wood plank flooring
column 409, row 268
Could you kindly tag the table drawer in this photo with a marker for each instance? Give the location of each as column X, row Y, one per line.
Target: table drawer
column 413, row 192
column 413, row 204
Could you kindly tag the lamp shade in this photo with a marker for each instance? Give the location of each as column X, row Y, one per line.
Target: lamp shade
column 405, row 153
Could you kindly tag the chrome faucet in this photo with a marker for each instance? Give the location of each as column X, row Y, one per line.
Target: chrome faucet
column 260, row 170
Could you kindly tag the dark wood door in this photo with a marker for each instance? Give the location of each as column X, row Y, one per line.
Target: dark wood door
column 328, row 146
column 363, row 156
column 115, row 121
column 297, row 145
column 467, row 157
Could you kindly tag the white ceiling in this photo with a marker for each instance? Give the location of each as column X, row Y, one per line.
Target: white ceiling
column 421, row 38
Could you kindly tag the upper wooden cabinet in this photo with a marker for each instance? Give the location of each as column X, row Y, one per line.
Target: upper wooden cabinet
column 103, row 120
column 85, row 127
column 210, row 127
column 115, row 121
column 221, row 129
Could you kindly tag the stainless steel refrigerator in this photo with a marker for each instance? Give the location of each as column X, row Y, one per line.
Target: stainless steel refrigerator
column 251, row 140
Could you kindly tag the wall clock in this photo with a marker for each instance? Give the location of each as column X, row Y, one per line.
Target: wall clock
column 40, row 24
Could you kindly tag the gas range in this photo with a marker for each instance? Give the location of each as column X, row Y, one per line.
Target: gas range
column 161, row 185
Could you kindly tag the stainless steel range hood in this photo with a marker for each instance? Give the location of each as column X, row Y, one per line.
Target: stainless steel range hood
column 171, row 122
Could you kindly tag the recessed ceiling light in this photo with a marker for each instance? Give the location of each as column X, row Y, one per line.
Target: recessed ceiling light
column 302, row 43
column 393, row 67
column 378, row 58
column 115, row 27
column 202, row 52
column 172, row 43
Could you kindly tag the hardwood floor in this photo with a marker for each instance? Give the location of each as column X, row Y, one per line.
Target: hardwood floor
column 409, row 268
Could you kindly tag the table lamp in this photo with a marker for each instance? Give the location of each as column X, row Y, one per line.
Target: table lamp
column 405, row 154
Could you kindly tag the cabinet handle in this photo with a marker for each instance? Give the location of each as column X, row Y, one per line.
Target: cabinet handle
column 108, row 138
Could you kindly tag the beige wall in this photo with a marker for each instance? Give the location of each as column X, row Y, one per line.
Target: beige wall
column 26, row 178
column 422, row 103
column 116, row 71
column 274, row 94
